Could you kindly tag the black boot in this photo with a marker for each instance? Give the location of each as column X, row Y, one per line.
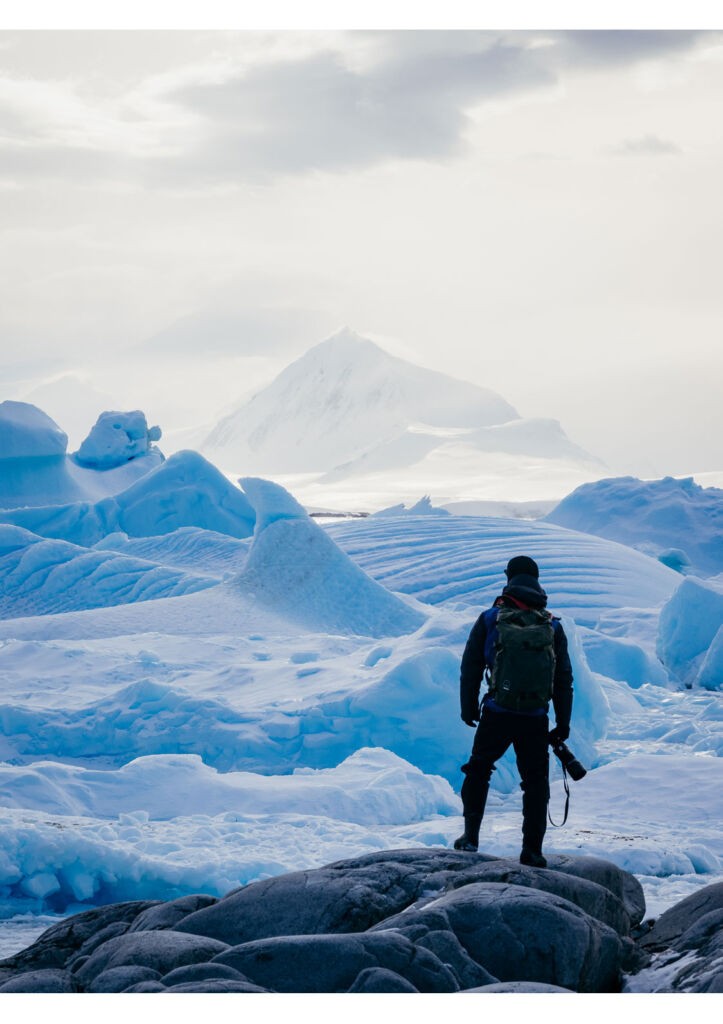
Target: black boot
column 469, row 840
column 532, row 859
column 535, row 797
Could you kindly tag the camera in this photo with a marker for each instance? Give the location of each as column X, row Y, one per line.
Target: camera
column 568, row 761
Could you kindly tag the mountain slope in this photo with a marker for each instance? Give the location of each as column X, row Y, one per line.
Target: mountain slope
column 342, row 398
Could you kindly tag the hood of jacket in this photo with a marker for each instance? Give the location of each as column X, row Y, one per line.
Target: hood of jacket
column 526, row 589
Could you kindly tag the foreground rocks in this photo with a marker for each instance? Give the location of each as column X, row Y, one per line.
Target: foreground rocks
column 427, row 920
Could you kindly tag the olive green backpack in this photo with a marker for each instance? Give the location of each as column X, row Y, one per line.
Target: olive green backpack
column 524, row 667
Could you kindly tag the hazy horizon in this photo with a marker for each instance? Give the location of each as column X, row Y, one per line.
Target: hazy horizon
column 184, row 213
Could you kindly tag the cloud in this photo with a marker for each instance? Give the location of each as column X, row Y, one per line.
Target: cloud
column 615, row 47
column 355, row 101
column 646, row 145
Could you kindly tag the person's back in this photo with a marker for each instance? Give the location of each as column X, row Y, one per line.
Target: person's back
column 524, row 650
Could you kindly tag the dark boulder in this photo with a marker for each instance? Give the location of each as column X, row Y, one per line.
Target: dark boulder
column 354, row 895
column 380, row 979
column 620, row 883
column 56, row 945
column 118, row 979
column 332, row 963
column 47, row 980
column 159, row 950
column 216, row 985
column 146, row 986
column 201, row 972
column 520, row 934
column 520, row 986
column 670, row 926
column 168, row 915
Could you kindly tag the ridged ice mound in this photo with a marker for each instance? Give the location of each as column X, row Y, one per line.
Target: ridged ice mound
column 44, row 577
column 295, row 568
column 412, row 920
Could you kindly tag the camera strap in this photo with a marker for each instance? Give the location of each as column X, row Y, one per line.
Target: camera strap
column 567, row 800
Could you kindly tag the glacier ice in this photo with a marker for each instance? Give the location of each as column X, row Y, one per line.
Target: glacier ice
column 115, row 438
column 687, row 626
column 676, row 520
column 185, row 490
column 303, row 705
column 27, row 432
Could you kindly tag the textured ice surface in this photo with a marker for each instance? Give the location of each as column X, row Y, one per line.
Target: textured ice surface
column 233, row 717
column 687, row 629
column 185, row 490
column 673, row 519
column 41, row 577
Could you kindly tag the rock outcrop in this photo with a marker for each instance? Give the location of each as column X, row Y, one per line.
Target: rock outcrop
column 426, row 920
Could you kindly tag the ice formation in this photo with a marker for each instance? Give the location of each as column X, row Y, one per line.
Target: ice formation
column 687, row 631
column 675, row 520
column 185, row 490
column 251, row 693
column 117, row 437
column 26, row 432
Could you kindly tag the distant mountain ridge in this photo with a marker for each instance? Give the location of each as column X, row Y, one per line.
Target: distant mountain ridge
column 342, row 398
column 348, row 409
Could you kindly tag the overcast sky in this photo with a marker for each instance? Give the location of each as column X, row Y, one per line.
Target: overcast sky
column 539, row 212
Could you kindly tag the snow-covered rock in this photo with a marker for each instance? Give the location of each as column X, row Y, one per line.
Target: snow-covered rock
column 117, row 437
column 675, row 520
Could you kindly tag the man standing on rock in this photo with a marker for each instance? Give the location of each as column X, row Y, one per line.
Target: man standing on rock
column 524, row 650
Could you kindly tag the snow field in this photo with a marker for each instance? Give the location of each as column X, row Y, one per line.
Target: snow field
column 303, row 706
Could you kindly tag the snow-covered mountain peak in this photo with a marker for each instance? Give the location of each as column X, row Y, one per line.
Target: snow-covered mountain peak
column 341, row 398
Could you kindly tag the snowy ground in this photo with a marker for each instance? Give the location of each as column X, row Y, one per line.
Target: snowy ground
column 301, row 704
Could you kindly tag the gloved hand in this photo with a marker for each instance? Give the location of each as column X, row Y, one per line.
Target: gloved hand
column 559, row 734
column 470, row 721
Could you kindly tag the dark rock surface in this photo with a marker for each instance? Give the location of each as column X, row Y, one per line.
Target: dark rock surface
column 56, row 945
column 332, row 963
column 161, row 951
column 47, row 980
column 216, row 985
column 353, row 895
column 118, row 979
column 425, row 920
column 520, row 934
column 202, row 972
column 167, row 915
column 670, row 926
column 381, row 979
column 520, row 986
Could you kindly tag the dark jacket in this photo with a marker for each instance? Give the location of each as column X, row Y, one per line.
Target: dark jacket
column 480, row 651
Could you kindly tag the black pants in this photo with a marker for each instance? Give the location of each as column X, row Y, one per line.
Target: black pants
column 528, row 735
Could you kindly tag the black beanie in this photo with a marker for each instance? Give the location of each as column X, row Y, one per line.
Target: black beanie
column 522, row 565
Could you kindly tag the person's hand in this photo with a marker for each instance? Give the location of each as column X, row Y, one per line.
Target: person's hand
column 559, row 734
column 472, row 722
